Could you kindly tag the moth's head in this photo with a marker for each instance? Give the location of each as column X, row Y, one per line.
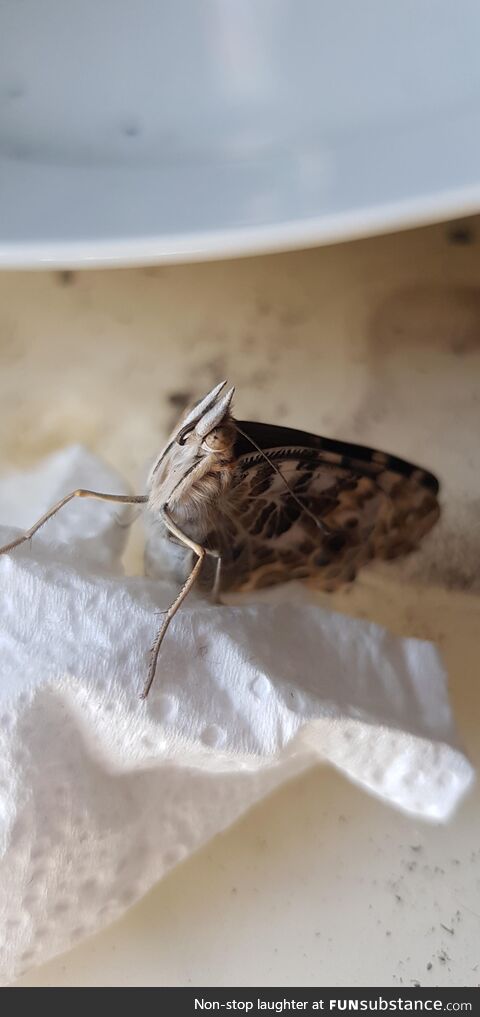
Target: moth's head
column 202, row 441
column 209, row 427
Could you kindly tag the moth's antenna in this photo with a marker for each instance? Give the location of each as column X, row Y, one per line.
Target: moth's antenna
column 318, row 522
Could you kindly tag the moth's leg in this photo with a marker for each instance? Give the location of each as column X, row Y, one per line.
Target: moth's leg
column 187, row 586
column 172, row 610
column 124, row 499
column 217, row 582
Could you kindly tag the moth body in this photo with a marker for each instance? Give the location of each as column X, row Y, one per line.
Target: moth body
column 278, row 504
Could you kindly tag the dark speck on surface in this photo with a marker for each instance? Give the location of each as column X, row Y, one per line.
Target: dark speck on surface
column 415, row 847
column 429, row 966
column 15, row 92
column 180, row 399
column 461, row 234
column 216, row 369
column 131, row 129
column 66, row 278
column 263, row 307
column 249, row 342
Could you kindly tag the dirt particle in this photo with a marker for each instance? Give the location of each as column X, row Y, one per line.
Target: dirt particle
column 460, row 234
column 216, row 369
column 260, row 378
column 429, row 966
column 15, row 92
column 66, row 278
column 263, row 308
column 291, row 316
column 180, row 399
column 446, row 318
column 450, row 931
column 249, row 342
column 131, row 129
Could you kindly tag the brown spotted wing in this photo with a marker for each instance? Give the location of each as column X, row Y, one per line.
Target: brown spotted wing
column 344, row 506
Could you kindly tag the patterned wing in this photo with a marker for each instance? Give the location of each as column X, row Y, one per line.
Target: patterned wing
column 371, row 505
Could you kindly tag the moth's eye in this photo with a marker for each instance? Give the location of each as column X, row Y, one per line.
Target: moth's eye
column 218, row 439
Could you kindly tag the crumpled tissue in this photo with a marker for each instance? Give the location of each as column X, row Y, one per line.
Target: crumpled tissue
column 101, row 794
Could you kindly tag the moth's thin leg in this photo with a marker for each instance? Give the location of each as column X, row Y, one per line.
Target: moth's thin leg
column 187, row 586
column 182, row 537
column 167, row 619
column 217, row 582
column 125, row 499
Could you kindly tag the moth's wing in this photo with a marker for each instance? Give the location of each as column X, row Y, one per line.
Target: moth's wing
column 272, row 436
column 373, row 505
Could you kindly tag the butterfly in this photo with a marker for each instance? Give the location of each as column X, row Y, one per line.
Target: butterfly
column 256, row 504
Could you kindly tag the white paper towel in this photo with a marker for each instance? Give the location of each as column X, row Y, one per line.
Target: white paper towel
column 101, row 794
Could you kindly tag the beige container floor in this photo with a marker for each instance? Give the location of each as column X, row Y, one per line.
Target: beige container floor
column 377, row 341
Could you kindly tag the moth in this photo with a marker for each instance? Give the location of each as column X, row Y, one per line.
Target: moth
column 253, row 504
